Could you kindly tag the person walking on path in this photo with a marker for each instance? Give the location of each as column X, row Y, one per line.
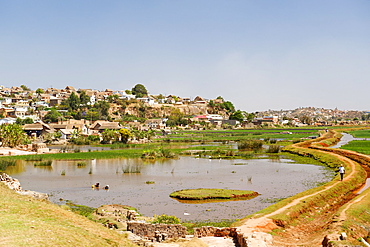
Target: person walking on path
column 341, row 172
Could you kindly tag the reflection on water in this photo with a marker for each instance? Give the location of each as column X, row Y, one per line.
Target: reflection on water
column 127, row 180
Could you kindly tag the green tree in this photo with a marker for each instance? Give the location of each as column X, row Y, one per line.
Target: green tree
column 228, row 106
column 139, row 91
column 12, row 135
column 53, row 116
column 103, row 108
column 39, row 91
column 25, row 88
column 27, row 120
column 237, row 115
column 305, row 119
column 176, row 118
column 110, row 136
column 92, row 114
column 73, row 102
column 84, row 98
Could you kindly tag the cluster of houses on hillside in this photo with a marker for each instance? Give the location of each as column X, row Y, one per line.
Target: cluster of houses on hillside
column 70, row 127
column 16, row 102
column 21, row 102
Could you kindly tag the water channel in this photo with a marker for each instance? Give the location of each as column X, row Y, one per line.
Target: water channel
column 273, row 179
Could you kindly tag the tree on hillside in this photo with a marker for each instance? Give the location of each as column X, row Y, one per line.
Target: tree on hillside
column 25, row 88
column 84, row 98
column 73, row 102
column 139, row 91
column 103, row 108
column 228, row 106
column 305, row 119
column 176, row 118
column 237, row 115
column 53, row 116
column 39, row 91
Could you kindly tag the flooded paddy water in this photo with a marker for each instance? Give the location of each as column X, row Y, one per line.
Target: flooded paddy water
column 146, row 186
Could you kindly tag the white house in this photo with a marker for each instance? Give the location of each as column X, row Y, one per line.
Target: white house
column 7, row 120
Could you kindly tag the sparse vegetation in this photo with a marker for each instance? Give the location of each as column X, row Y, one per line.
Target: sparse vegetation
column 44, row 163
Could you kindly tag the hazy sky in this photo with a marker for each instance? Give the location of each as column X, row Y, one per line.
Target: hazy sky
column 258, row 54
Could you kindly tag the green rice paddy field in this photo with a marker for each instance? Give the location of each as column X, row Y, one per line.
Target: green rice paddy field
column 239, row 135
column 361, row 146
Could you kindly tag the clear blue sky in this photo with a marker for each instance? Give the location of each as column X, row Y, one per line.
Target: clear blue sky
column 258, row 54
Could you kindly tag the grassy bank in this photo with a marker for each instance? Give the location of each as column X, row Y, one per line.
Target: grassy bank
column 29, row 222
column 357, row 221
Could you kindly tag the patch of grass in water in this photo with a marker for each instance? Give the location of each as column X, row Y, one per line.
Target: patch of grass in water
column 44, row 163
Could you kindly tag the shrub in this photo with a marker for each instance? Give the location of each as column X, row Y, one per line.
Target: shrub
column 254, row 145
column 273, row 141
column 273, row 149
column 165, row 219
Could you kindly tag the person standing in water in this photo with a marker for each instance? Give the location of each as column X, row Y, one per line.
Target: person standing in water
column 341, row 172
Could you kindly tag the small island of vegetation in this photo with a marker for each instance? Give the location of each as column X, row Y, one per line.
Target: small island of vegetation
column 206, row 194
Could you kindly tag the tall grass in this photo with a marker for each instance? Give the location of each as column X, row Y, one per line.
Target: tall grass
column 158, row 153
column 81, row 164
column 44, row 163
column 5, row 163
column 250, row 145
column 273, row 149
column 131, row 169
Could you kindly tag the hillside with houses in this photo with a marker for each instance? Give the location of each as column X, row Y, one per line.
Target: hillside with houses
column 66, row 113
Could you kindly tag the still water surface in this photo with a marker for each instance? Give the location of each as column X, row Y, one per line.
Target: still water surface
column 273, row 179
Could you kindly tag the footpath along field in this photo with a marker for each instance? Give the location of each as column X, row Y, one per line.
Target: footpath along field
column 318, row 216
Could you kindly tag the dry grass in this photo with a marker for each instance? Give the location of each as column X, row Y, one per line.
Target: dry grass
column 29, row 222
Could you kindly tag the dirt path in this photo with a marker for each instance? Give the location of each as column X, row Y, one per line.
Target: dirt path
column 312, row 231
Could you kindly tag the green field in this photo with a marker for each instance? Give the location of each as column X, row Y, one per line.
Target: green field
column 358, row 146
column 239, row 135
column 360, row 133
